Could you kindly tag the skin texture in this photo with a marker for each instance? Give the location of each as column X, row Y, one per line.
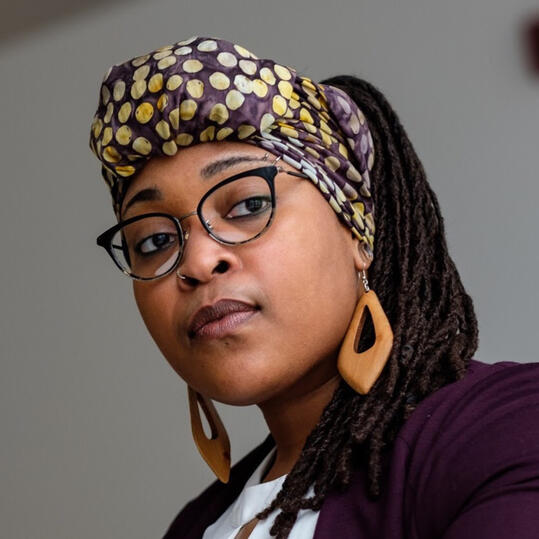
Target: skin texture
column 301, row 273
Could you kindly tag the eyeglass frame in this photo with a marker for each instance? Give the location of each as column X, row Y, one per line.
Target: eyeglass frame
column 268, row 173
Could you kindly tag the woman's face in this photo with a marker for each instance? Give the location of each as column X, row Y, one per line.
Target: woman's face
column 301, row 275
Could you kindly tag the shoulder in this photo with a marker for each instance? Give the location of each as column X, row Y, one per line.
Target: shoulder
column 476, row 441
column 200, row 512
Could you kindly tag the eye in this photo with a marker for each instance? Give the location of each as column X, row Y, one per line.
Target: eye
column 250, row 207
column 155, row 242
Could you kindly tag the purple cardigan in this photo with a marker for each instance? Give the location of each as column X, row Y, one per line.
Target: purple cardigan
column 464, row 465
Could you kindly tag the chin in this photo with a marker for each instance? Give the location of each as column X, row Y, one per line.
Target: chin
column 242, row 392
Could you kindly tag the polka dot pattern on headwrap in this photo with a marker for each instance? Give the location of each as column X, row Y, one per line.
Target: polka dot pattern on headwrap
column 208, row 89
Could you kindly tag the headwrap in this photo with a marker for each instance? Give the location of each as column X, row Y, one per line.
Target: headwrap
column 208, row 89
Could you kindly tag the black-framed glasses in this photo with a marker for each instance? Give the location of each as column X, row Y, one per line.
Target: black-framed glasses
column 237, row 210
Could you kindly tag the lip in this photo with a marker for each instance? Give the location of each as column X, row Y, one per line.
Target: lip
column 220, row 318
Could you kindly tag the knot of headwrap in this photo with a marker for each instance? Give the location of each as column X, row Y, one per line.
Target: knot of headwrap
column 208, row 89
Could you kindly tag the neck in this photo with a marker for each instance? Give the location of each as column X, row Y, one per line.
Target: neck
column 292, row 417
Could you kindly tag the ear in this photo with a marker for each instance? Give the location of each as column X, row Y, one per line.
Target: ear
column 362, row 256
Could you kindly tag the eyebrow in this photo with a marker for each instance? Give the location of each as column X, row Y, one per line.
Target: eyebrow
column 213, row 168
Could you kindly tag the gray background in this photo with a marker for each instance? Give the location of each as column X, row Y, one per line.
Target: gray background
column 95, row 434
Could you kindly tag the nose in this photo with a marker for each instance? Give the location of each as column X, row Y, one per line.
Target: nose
column 203, row 257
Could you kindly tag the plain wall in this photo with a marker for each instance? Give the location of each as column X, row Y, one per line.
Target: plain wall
column 95, row 433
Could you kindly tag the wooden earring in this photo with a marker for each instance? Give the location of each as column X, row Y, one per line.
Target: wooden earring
column 215, row 450
column 361, row 370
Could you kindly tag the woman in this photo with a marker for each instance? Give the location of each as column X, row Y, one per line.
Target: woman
column 258, row 290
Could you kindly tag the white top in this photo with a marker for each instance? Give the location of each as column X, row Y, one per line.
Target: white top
column 255, row 497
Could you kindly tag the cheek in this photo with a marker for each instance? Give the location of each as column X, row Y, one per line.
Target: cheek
column 156, row 303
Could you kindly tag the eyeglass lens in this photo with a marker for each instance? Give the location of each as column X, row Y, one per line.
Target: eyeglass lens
column 234, row 213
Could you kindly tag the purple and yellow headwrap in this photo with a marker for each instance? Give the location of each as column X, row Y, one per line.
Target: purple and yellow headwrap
column 207, row 89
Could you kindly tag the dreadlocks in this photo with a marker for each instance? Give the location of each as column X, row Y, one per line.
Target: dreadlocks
column 432, row 317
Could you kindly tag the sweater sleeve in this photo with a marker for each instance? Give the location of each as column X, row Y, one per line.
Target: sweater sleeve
column 478, row 475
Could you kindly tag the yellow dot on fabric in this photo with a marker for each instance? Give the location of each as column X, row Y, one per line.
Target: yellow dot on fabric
column 266, row 122
column 325, row 127
column 125, row 170
column 313, row 100
column 279, row 105
column 305, row 116
column 123, row 135
column 361, row 117
column 184, row 139
column 170, row 148
column 288, row 131
column 119, row 90
column 332, row 163
column 245, row 131
column 124, row 112
column 142, row 145
column 108, row 113
column 219, row 113
column 353, row 175
column 208, row 134
column 195, row 88
column 354, row 124
column 248, row 67
column 141, row 73
column 163, row 129
column 285, row 89
column 260, row 88
column 310, row 128
column 339, row 194
column 234, row 99
column 282, row 72
column 107, row 136
column 342, row 150
column 192, row 66
column 370, row 161
column 244, row 52
column 133, row 157
column 174, row 82
column 97, row 127
column 308, row 84
column 187, row 41
column 164, row 48
column 136, row 62
column 267, row 76
column 182, row 51
column 224, row 132
column 138, row 89
column 243, row 84
column 219, row 80
column 174, row 118
column 294, row 104
column 208, row 45
column 313, row 152
column 325, row 138
column 162, row 54
column 162, row 102
column 105, row 95
column 187, row 109
column 111, row 154
column 144, row 112
column 323, row 188
column 166, row 62
column 227, row 59
column 333, row 203
column 156, row 82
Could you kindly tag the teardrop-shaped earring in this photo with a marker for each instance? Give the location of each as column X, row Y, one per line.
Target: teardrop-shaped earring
column 215, row 450
column 361, row 370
